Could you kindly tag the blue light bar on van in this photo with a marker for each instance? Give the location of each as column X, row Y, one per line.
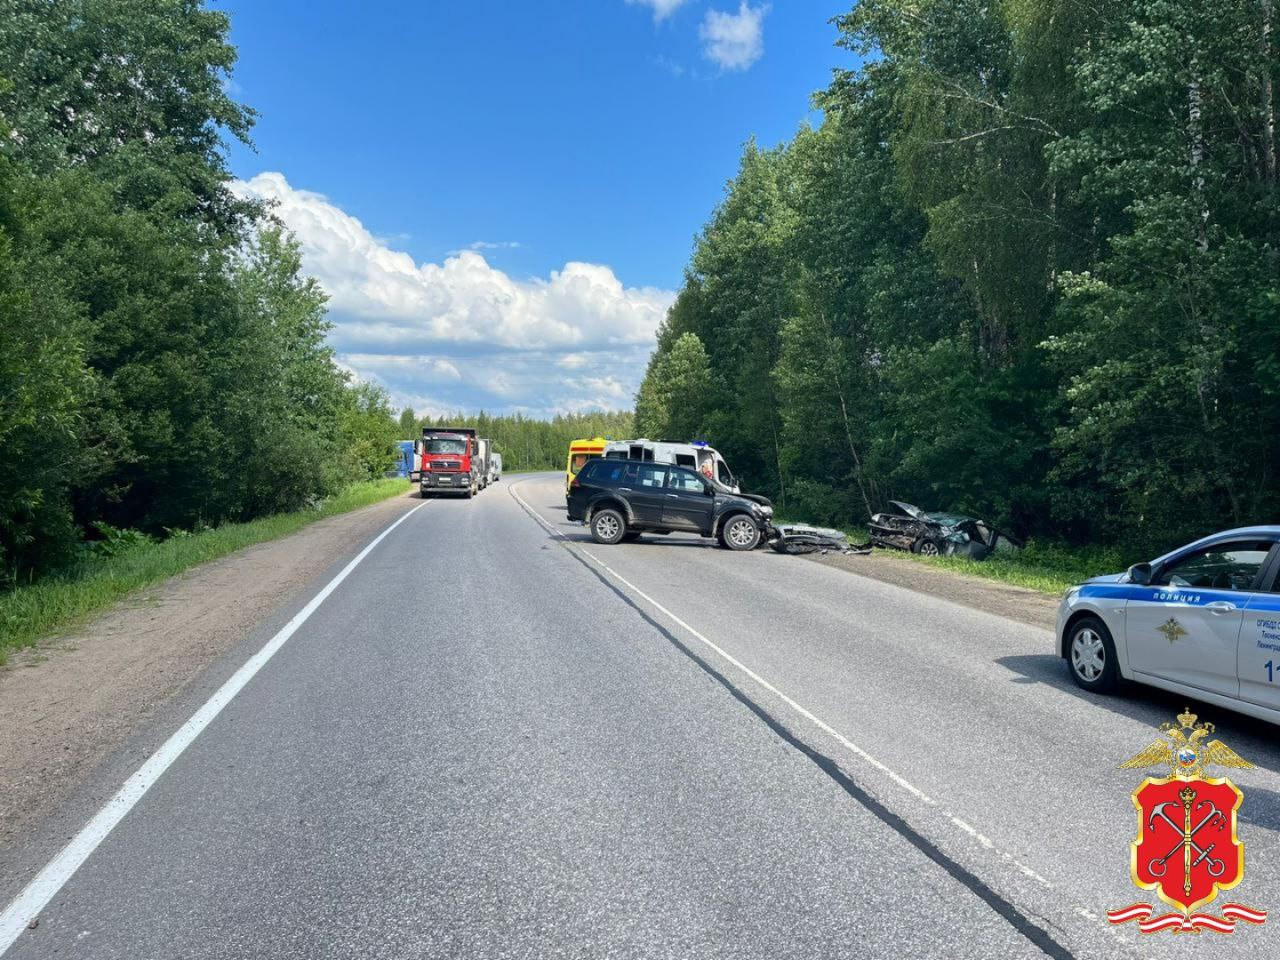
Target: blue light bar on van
column 699, row 443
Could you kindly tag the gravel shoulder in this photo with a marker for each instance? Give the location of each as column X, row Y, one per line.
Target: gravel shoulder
column 1031, row 607
column 71, row 702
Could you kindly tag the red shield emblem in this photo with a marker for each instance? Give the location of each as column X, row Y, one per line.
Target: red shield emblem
column 1187, row 849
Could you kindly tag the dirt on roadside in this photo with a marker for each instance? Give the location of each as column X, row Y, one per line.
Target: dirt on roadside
column 70, row 702
column 1015, row 603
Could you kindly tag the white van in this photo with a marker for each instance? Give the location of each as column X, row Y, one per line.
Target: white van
column 495, row 467
column 696, row 456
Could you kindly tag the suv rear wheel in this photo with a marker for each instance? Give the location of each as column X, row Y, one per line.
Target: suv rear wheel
column 608, row 526
column 740, row 533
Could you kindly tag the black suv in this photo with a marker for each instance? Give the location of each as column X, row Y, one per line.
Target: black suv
column 621, row 499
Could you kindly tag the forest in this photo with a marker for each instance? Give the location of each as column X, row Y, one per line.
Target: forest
column 163, row 357
column 1024, row 267
column 527, row 443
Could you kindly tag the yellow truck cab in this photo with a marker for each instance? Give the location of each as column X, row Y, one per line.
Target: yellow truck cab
column 580, row 451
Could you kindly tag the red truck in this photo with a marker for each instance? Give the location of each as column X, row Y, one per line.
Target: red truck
column 450, row 461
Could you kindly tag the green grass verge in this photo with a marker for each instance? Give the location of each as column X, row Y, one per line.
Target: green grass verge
column 1049, row 568
column 1046, row 567
column 30, row 613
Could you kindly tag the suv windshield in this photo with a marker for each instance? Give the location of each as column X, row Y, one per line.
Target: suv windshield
column 454, row 445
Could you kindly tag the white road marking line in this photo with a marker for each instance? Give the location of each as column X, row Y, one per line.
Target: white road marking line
column 822, row 725
column 36, row 895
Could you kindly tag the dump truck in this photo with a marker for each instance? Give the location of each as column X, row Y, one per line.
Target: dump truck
column 450, row 461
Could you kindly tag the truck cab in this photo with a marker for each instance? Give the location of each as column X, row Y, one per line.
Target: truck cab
column 450, row 461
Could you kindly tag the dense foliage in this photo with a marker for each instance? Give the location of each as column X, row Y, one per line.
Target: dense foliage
column 527, row 444
column 1026, row 267
column 163, row 360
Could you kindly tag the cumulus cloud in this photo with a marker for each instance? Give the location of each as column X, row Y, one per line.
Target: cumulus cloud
column 661, row 8
column 734, row 41
column 463, row 334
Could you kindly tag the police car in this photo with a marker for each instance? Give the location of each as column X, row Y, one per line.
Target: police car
column 1203, row 620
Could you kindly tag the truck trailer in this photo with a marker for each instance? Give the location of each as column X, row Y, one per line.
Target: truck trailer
column 484, row 450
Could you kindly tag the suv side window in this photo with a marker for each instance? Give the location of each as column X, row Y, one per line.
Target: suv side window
column 686, row 481
column 648, row 475
column 601, row 472
column 1226, row 566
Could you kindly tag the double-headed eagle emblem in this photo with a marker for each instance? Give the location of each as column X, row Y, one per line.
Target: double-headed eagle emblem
column 1184, row 752
column 1187, row 848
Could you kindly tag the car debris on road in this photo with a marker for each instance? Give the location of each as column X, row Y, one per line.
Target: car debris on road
column 797, row 538
column 907, row 527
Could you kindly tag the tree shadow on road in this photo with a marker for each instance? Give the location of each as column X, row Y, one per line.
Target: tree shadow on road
column 1255, row 740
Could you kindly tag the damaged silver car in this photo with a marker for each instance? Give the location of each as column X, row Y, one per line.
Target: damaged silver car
column 907, row 527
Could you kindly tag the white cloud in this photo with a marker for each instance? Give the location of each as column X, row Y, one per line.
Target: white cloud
column 605, row 386
column 734, row 41
column 661, row 8
column 487, row 245
column 463, row 334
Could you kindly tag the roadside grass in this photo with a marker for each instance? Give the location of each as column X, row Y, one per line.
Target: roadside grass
column 1045, row 567
column 1048, row 568
column 28, row 614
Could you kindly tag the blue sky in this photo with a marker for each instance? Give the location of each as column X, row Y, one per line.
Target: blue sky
column 501, row 196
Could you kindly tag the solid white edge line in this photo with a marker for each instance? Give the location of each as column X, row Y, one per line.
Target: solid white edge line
column 37, row 894
column 818, row 722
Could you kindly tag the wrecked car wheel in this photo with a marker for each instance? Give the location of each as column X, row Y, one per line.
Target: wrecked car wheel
column 608, row 526
column 928, row 548
column 1092, row 655
column 740, row 533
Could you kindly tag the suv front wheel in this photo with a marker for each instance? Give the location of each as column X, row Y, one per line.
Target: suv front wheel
column 608, row 526
column 740, row 533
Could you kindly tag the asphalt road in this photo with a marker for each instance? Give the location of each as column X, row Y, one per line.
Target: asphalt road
column 498, row 739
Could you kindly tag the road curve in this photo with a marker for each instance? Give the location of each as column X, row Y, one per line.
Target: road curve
column 495, row 738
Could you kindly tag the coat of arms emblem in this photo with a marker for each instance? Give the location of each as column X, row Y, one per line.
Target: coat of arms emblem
column 1187, row 848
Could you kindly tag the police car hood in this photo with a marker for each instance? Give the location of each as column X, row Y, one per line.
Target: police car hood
column 1106, row 578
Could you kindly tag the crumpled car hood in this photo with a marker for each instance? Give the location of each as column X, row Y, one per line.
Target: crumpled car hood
column 907, row 509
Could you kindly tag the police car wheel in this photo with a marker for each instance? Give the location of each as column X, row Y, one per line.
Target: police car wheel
column 1091, row 654
column 608, row 526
